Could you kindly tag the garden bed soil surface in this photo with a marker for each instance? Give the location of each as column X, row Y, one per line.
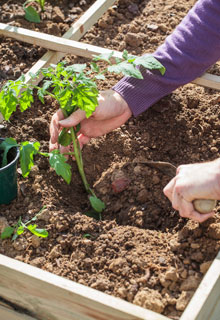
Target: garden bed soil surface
column 142, row 250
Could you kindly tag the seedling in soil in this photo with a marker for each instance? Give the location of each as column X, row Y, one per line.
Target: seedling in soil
column 31, row 13
column 19, row 228
column 73, row 87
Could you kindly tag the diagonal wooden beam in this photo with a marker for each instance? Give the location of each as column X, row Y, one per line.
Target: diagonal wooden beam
column 78, row 29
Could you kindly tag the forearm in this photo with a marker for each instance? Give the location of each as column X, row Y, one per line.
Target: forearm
column 187, row 53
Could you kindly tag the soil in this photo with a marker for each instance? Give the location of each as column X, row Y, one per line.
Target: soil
column 142, row 250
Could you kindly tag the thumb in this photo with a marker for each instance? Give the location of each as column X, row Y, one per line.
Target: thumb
column 74, row 119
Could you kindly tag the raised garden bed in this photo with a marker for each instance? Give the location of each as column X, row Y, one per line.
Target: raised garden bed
column 141, row 251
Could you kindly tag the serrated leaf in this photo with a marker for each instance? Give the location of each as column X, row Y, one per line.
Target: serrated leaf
column 64, row 138
column 26, row 99
column 27, row 152
column 97, row 204
column 105, row 57
column 7, row 233
column 149, row 62
column 126, row 69
column 78, row 67
column 8, row 103
column 31, row 15
column 58, row 162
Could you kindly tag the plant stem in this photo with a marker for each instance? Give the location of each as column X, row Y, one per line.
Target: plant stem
column 78, row 157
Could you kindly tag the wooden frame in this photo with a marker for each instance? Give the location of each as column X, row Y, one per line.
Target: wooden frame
column 29, row 293
column 38, row 294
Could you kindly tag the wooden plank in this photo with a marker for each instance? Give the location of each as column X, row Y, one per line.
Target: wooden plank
column 54, row 43
column 80, row 49
column 205, row 304
column 8, row 314
column 50, row 297
column 78, row 29
column 208, row 80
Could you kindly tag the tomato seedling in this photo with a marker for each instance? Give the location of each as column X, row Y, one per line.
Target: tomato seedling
column 73, row 87
column 19, row 228
column 31, row 13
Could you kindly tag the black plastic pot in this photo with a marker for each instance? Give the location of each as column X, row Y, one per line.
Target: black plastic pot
column 8, row 177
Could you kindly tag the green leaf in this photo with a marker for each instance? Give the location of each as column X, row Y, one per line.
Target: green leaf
column 125, row 54
column 97, row 204
column 58, row 162
column 149, row 62
column 100, row 77
column 6, row 145
column 78, row 67
column 87, row 235
column 64, row 138
column 126, row 69
column 8, row 103
column 20, row 230
column 105, row 57
column 94, row 67
column 27, row 152
column 40, row 233
column 7, row 233
column 31, row 15
column 36, row 231
column 93, row 214
column 26, row 99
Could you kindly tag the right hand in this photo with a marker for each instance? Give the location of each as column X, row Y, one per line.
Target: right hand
column 194, row 181
column 111, row 113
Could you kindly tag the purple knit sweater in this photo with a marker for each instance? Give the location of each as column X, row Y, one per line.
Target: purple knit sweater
column 192, row 47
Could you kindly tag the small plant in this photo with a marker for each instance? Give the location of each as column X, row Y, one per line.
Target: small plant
column 30, row 12
column 19, row 228
column 73, row 87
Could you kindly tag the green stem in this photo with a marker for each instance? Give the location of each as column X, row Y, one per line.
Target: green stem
column 78, row 158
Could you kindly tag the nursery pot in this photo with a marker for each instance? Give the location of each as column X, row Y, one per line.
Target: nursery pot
column 8, row 176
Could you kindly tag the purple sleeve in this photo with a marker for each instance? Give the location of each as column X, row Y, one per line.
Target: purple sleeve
column 192, row 47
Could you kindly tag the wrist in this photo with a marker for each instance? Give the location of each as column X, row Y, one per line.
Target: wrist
column 123, row 104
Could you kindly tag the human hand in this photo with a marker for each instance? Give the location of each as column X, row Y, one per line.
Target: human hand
column 110, row 114
column 194, row 181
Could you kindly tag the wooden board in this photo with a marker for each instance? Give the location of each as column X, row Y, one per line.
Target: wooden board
column 205, row 304
column 50, row 297
column 65, row 46
column 80, row 49
column 54, row 43
column 45, row 296
column 208, row 80
column 8, row 314
column 78, row 29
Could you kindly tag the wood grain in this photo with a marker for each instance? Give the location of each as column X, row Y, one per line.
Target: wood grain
column 50, row 297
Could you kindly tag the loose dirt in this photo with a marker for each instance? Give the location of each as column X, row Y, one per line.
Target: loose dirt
column 142, row 250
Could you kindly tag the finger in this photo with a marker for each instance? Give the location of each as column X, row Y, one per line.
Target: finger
column 94, row 128
column 168, row 189
column 54, row 126
column 201, row 217
column 74, row 119
column 83, row 140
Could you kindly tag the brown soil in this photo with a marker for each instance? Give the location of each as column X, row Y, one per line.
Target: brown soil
column 141, row 251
